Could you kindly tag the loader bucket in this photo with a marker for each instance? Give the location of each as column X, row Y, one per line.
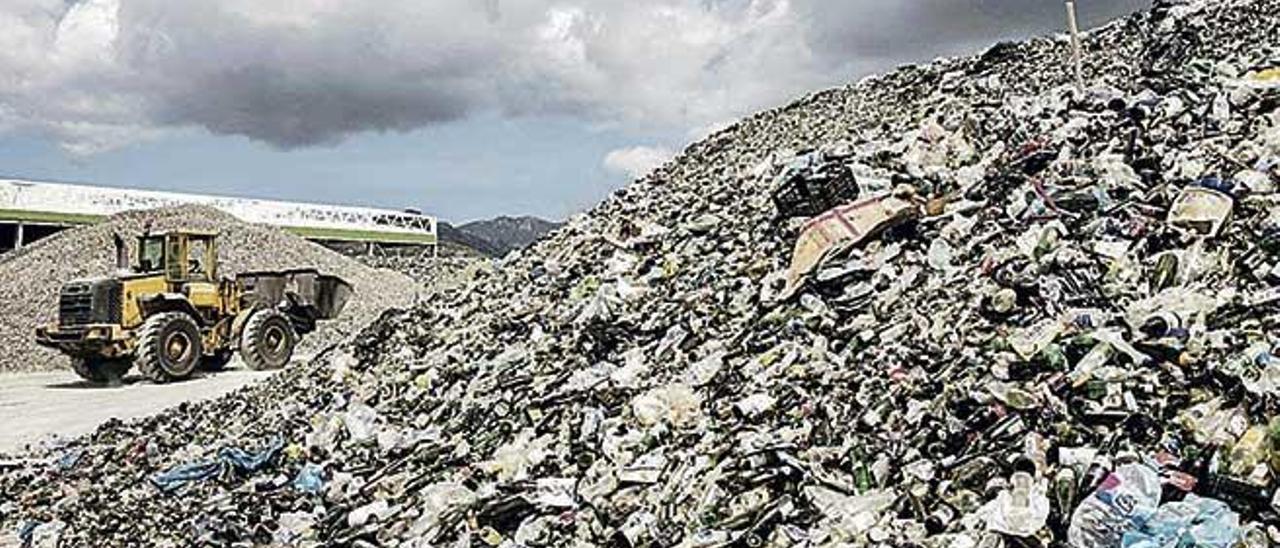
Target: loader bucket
column 323, row 295
column 332, row 294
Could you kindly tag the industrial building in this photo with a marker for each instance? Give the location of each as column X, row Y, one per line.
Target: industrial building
column 30, row 210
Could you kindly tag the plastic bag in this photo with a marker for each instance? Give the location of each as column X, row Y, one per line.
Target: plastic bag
column 1194, row 521
column 1126, row 498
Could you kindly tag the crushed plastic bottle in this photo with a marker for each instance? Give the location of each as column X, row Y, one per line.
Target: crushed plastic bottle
column 1013, row 396
column 1124, row 500
column 1022, row 510
column 1201, row 209
column 359, row 420
column 1273, row 443
column 309, row 479
column 1249, row 451
column 850, row 516
column 295, row 529
column 1210, row 424
column 437, row 501
column 1254, row 536
column 675, row 404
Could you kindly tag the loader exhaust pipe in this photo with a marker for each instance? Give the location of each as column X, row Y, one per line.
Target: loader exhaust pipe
column 122, row 252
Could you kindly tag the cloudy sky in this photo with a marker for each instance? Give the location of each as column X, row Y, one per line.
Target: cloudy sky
column 464, row 108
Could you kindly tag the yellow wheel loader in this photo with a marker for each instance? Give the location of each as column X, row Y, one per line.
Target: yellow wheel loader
column 171, row 312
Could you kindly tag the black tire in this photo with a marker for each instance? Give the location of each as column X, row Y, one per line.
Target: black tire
column 101, row 370
column 216, row 362
column 267, row 340
column 169, row 347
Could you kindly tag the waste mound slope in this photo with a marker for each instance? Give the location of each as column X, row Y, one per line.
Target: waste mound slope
column 1042, row 320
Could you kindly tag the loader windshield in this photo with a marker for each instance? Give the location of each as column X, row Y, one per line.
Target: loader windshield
column 150, row 254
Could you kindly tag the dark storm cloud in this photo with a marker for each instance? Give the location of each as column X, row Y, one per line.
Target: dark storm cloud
column 915, row 29
column 98, row 73
column 298, row 81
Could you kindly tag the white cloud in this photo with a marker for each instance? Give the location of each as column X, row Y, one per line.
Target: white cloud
column 92, row 74
column 636, row 162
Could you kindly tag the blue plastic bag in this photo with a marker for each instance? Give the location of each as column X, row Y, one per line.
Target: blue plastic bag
column 232, row 458
column 1194, row 521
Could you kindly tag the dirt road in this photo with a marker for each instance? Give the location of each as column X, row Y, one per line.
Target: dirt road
column 34, row 406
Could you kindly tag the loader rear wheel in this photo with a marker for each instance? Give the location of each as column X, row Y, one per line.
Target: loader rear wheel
column 169, row 347
column 267, row 340
column 100, row 370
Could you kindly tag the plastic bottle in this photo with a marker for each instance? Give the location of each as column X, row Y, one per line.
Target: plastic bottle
column 1097, row 357
column 1254, row 535
column 1023, row 509
column 861, row 470
column 1274, row 444
column 1249, row 451
column 1124, row 500
column 1064, row 492
column 1036, row 448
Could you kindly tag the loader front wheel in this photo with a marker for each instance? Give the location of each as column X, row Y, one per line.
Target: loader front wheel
column 169, row 347
column 101, row 370
column 267, row 340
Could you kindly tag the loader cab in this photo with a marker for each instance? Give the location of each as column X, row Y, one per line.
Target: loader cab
column 181, row 256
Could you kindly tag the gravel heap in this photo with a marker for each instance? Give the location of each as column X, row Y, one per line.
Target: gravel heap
column 432, row 273
column 30, row 278
column 1050, row 317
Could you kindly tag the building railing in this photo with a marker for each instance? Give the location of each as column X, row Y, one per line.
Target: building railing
column 57, row 203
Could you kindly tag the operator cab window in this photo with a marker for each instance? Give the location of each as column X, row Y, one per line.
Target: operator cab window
column 195, row 260
column 151, row 256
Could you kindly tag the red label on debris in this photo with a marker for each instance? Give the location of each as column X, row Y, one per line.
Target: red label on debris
column 1180, row 480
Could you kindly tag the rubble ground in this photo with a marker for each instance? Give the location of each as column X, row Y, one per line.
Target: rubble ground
column 1050, row 321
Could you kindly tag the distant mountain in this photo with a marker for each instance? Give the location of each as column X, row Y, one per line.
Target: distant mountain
column 509, row 233
column 456, row 243
column 495, row 237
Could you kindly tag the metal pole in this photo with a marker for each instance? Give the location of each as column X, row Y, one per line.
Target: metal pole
column 435, row 239
column 1076, row 56
column 18, row 241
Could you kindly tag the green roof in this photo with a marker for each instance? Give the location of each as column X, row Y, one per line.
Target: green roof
column 345, row 235
column 46, row 217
